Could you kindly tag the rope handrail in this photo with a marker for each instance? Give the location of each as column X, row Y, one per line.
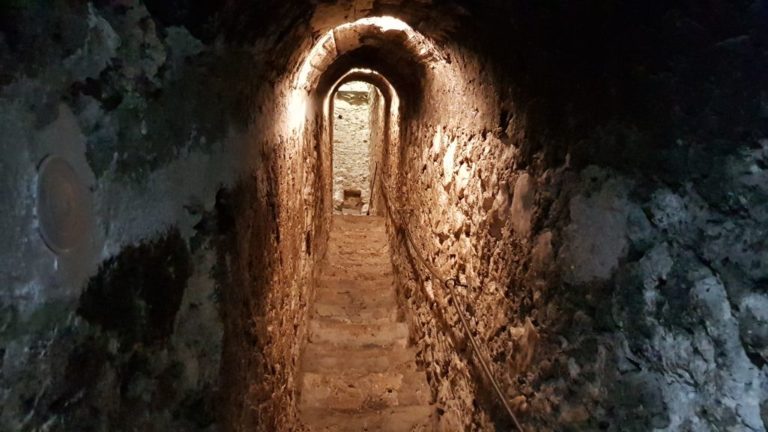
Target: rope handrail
column 370, row 188
column 451, row 285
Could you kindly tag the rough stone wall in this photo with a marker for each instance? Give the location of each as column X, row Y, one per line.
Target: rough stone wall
column 122, row 331
column 163, row 298
column 595, row 176
column 280, row 232
column 616, row 286
column 380, row 142
column 675, row 306
column 282, row 220
column 352, row 141
column 446, row 172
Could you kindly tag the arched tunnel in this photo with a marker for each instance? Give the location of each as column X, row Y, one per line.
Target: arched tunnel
column 383, row 215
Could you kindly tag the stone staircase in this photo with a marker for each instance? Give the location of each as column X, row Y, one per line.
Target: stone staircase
column 357, row 371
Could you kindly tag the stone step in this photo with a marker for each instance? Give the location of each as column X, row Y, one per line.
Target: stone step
column 357, row 297
column 383, row 284
column 376, row 243
column 364, row 391
column 357, row 372
column 345, row 230
column 372, row 218
column 341, row 254
column 350, row 225
column 351, row 301
column 358, row 272
column 357, row 335
column 351, row 220
column 396, row 419
column 356, row 314
column 322, row 358
column 364, row 263
column 351, row 292
column 344, row 227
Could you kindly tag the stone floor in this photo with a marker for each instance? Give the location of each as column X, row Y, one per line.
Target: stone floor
column 358, row 373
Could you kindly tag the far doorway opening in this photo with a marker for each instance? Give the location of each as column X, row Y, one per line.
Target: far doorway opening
column 358, row 119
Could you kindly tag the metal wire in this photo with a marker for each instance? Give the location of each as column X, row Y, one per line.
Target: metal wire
column 450, row 284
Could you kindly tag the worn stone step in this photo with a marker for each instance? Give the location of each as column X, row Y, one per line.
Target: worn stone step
column 352, row 220
column 364, row 263
column 340, row 254
column 348, row 244
column 349, row 390
column 357, row 372
column 322, row 358
column 348, row 291
column 357, row 228
column 351, row 301
column 419, row 418
column 344, row 248
column 343, row 292
column 357, row 335
column 356, row 298
column 358, row 272
column 384, row 283
column 346, row 223
column 345, row 227
column 376, row 244
column 359, row 232
column 356, row 314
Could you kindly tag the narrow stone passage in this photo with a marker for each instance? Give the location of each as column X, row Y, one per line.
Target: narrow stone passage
column 358, row 373
column 584, row 186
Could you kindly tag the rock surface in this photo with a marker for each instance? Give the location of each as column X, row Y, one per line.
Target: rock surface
column 358, row 371
column 594, row 177
column 352, row 137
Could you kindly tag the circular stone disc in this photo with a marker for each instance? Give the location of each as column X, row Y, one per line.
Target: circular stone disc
column 62, row 205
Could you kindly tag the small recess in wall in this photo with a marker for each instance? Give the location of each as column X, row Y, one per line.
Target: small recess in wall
column 63, row 205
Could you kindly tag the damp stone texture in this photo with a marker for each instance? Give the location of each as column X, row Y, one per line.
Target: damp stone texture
column 610, row 287
column 352, row 142
column 593, row 180
column 125, row 117
column 109, row 311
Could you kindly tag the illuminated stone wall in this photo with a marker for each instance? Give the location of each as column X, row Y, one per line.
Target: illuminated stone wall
column 595, row 177
column 352, row 141
column 611, row 276
column 188, row 288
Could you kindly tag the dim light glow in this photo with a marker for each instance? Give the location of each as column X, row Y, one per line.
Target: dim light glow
column 297, row 104
column 364, row 73
column 315, row 54
column 385, row 23
column 309, row 70
column 297, row 108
